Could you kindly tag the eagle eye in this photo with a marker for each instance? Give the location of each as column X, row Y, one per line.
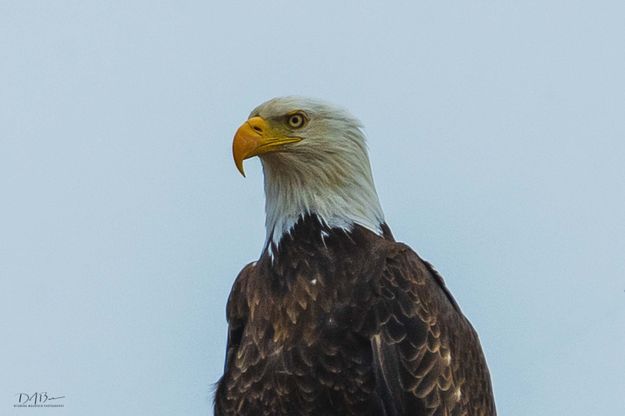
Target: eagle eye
column 296, row 120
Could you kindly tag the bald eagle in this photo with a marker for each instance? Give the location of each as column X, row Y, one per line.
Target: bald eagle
column 336, row 317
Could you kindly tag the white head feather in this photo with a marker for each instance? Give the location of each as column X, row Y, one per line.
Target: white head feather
column 327, row 173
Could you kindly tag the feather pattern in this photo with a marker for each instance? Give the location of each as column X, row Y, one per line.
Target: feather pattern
column 350, row 324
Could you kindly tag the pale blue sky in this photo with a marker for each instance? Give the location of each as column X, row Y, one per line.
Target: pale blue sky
column 496, row 131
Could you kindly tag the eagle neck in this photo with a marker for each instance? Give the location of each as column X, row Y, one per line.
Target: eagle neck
column 294, row 191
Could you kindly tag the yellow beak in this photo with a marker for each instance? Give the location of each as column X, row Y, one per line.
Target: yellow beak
column 254, row 138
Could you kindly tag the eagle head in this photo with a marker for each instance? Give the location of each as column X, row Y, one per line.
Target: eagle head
column 315, row 161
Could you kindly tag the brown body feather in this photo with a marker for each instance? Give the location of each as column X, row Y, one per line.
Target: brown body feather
column 348, row 323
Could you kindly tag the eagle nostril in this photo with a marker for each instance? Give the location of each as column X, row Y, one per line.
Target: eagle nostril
column 258, row 129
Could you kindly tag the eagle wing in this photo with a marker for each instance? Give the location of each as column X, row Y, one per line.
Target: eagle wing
column 427, row 356
column 236, row 314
